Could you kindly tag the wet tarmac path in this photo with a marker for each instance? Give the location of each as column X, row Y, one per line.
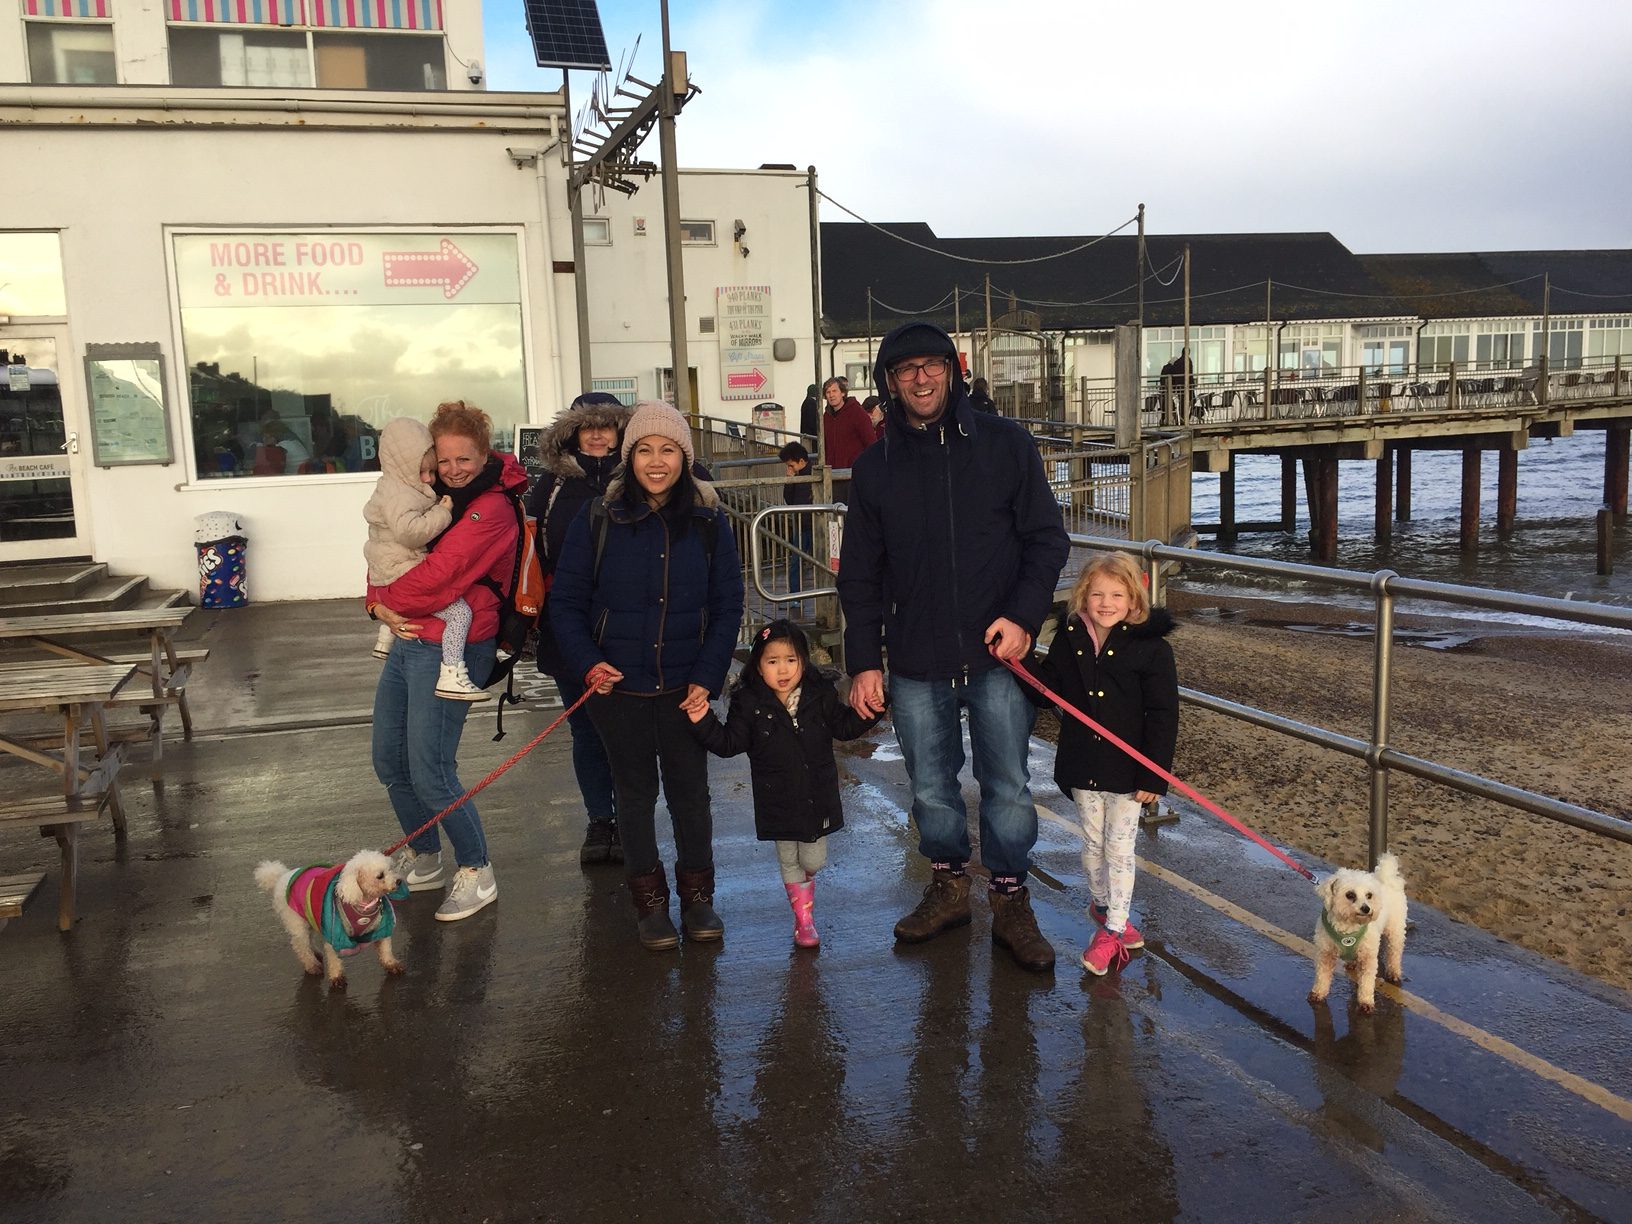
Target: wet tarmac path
column 168, row 1061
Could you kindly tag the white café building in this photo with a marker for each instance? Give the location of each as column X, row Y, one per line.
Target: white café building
column 253, row 231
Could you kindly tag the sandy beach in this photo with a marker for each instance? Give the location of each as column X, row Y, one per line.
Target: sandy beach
column 1549, row 712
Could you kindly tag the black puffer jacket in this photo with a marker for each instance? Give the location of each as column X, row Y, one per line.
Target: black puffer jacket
column 796, row 780
column 579, row 478
column 1130, row 687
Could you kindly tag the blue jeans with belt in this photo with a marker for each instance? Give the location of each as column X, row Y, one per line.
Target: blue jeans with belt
column 928, row 726
column 589, row 763
column 416, row 745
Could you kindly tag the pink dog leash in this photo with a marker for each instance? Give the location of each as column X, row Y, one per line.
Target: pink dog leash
column 492, row 777
column 1155, row 768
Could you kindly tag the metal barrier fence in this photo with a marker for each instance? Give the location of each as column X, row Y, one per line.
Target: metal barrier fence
column 1289, row 395
column 1386, row 586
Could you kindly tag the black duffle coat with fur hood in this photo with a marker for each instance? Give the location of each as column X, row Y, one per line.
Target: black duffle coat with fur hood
column 796, row 779
column 1130, row 686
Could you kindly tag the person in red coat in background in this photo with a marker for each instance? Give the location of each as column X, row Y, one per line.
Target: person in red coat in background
column 847, row 430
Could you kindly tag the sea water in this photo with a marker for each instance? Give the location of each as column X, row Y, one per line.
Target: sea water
column 1550, row 551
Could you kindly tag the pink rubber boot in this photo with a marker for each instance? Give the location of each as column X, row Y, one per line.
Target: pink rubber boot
column 803, row 899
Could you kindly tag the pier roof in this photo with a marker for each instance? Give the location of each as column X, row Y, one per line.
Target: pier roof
column 911, row 272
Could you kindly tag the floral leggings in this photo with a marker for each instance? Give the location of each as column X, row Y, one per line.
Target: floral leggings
column 1110, row 823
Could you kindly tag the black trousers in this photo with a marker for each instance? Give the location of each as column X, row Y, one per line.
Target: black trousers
column 645, row 735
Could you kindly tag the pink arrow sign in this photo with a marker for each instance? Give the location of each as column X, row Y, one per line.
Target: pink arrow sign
column 449, row 267
column 754, row 380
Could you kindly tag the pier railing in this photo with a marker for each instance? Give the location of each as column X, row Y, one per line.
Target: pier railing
column 1351, row 391
column 1387, row 587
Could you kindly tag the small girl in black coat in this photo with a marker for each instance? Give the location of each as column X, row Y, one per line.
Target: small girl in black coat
column 786, row 716
column 1110, row 659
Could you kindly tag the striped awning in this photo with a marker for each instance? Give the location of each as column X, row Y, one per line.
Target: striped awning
column 68, row 8
column 377, row 14
column 239, row 12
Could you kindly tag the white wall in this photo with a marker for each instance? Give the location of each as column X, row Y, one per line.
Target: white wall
column 628, row 281
column 112, row 190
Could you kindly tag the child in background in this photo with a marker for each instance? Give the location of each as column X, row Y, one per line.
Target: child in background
column 404, row 516
column 796, row 459
column 785, row 716
column 1111, row 660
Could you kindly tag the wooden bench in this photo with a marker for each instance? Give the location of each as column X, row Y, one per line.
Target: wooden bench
column 15, row 894
column 76, row 696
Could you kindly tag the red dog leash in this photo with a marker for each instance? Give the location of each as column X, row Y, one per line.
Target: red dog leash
column 1155, row 768
column 492, row 777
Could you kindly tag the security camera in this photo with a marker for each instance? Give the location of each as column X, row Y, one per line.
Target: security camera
column 474, row 72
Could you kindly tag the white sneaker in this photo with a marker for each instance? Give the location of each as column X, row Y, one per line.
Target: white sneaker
column 421, row 872
column 382, row 642
column 454, row 683
column 473, row 888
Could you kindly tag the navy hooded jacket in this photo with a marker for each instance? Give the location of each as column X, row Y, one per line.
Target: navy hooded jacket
column 949, row 528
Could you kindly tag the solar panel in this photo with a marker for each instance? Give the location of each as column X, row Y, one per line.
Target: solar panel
column 567, row 34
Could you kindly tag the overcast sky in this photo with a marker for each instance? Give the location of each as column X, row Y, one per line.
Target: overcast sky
column 1397, row 125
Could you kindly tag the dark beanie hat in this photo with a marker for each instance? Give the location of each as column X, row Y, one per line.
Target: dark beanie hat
column 914, row 340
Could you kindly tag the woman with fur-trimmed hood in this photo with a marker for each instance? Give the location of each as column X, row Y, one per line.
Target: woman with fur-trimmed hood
column 579, row 452
column 645, row 607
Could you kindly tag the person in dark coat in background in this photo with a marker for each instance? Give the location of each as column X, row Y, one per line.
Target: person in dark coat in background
column 796, row 459
column 952, row 547
column 785, row 716
column 810, row 418
column 981, row 397
column 646, row 605
column 579, row 452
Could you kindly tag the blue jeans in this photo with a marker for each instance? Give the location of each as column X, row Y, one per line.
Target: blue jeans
column 928, row 727
column 416, row 741
column 589, row 763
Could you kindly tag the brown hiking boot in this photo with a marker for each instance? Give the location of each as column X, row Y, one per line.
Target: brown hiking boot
column 650, row 893
column 697, row 917
column 1014, row 926
column 945, row 905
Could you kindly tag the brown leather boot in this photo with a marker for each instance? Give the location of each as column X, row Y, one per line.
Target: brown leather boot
column 650, row 893
column 1014, row 927
column 697, row 917
column 945, row 905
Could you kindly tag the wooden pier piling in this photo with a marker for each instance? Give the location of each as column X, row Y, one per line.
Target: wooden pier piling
column 1289, row 494
column 1384, row 518
column 1507, row 490
column 1616, row 449
column 1402, row 486
column 1226, row 505
column 1470, row 499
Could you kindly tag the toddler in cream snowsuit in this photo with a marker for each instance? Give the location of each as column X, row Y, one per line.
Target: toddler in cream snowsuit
column 404, row 515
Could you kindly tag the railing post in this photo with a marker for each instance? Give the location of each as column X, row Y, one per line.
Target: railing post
column 1382, row 676
column 1267, row 412
column 1360, row 394
column 1452, row 396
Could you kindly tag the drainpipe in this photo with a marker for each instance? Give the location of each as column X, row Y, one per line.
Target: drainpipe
column 536, row 157
column 832, row 358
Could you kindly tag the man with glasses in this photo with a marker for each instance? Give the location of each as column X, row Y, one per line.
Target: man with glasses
column 952, row 548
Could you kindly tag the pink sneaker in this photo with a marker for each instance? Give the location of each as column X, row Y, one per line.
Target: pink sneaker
column 1131, row 936
column 1105, row 952
column 803, row 899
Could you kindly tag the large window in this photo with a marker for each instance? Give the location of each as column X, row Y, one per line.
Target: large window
column 1608, row 339
column 31, row 283
column 1566, row 341
column 1498, row 344
column 1313, row 348
column 211, row 57
column 70, row 53
column 1385, row 348
column 299, row 347
column 1163, row 344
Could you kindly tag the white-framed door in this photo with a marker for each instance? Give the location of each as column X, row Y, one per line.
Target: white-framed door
column 43, row 446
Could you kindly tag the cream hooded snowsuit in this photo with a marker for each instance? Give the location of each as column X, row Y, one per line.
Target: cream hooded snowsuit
column 403, row 514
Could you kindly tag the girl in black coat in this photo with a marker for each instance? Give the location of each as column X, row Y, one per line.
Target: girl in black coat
column 1110, row 659
column 785, row 716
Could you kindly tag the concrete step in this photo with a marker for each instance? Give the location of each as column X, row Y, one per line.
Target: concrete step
column 106, row 593
column 46, row 583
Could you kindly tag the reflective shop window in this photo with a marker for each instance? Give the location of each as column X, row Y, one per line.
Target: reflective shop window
column 299, row 347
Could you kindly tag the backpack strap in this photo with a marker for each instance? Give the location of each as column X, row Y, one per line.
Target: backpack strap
column 515, row 568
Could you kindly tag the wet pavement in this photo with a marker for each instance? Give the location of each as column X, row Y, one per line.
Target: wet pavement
column 167, row 1059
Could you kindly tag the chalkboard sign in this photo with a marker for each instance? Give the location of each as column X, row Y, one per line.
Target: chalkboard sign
column 129, row 420
column 529, row 453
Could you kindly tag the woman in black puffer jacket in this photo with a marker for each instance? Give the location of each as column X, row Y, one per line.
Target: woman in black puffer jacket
column 579, row 453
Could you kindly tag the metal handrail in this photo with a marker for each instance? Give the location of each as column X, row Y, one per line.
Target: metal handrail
column 1386, row 586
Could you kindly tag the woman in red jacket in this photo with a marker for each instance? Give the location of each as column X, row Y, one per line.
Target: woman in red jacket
column 416, row 735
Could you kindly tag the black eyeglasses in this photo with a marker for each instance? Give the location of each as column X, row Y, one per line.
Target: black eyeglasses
column 930, row 367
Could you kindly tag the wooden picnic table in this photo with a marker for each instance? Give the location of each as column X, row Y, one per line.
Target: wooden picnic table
column 165, row 668
column 78, row 696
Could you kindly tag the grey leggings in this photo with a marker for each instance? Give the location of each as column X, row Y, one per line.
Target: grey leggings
column 455, row 619
column 801, row 860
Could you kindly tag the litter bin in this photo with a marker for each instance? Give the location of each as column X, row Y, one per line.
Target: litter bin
column 220, row 541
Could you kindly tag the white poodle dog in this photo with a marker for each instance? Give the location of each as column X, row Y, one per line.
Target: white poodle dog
column 336, row 909
column 1360, row 910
